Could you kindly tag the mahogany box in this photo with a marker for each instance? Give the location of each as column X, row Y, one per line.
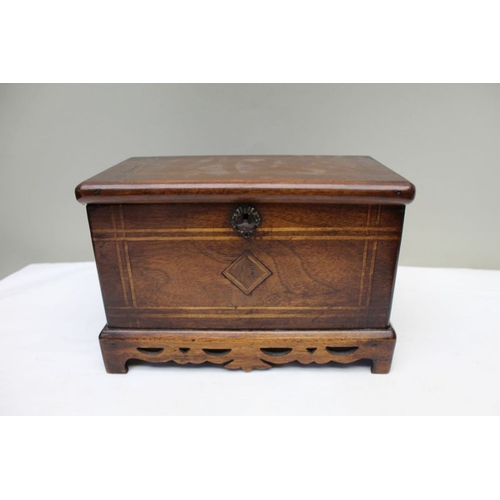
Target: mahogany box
column 247, row 261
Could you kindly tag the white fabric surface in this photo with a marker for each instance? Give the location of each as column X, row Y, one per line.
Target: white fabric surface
column 447, row 358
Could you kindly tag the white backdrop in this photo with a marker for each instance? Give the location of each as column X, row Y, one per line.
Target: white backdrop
column 445, row 362
column 444, row 138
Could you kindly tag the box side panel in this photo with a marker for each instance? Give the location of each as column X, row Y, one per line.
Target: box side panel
column 384, row 276
column 385, row 255
column 307, row 266
column 111, row 257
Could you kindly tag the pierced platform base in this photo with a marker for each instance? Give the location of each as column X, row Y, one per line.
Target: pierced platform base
column 246, row 350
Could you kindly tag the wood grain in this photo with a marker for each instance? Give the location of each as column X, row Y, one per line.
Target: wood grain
column 246, row 350
column 315, row 266
column 313, row 283
column 285, row 179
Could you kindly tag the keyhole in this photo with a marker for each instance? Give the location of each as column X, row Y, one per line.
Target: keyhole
column 244, row 220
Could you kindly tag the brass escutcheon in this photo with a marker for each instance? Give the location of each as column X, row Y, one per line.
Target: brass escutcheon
column 245, row 220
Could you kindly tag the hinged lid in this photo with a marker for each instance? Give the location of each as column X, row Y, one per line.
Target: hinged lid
column 281, row 179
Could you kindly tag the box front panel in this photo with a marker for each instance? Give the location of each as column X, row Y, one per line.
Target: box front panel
column 182, row 266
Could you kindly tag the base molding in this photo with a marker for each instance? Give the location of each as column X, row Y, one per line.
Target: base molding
column 247, row 350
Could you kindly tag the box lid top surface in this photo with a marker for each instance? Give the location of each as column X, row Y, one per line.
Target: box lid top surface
column 307, row 179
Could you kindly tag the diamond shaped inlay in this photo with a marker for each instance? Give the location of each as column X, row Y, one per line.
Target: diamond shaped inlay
column 247, row 272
